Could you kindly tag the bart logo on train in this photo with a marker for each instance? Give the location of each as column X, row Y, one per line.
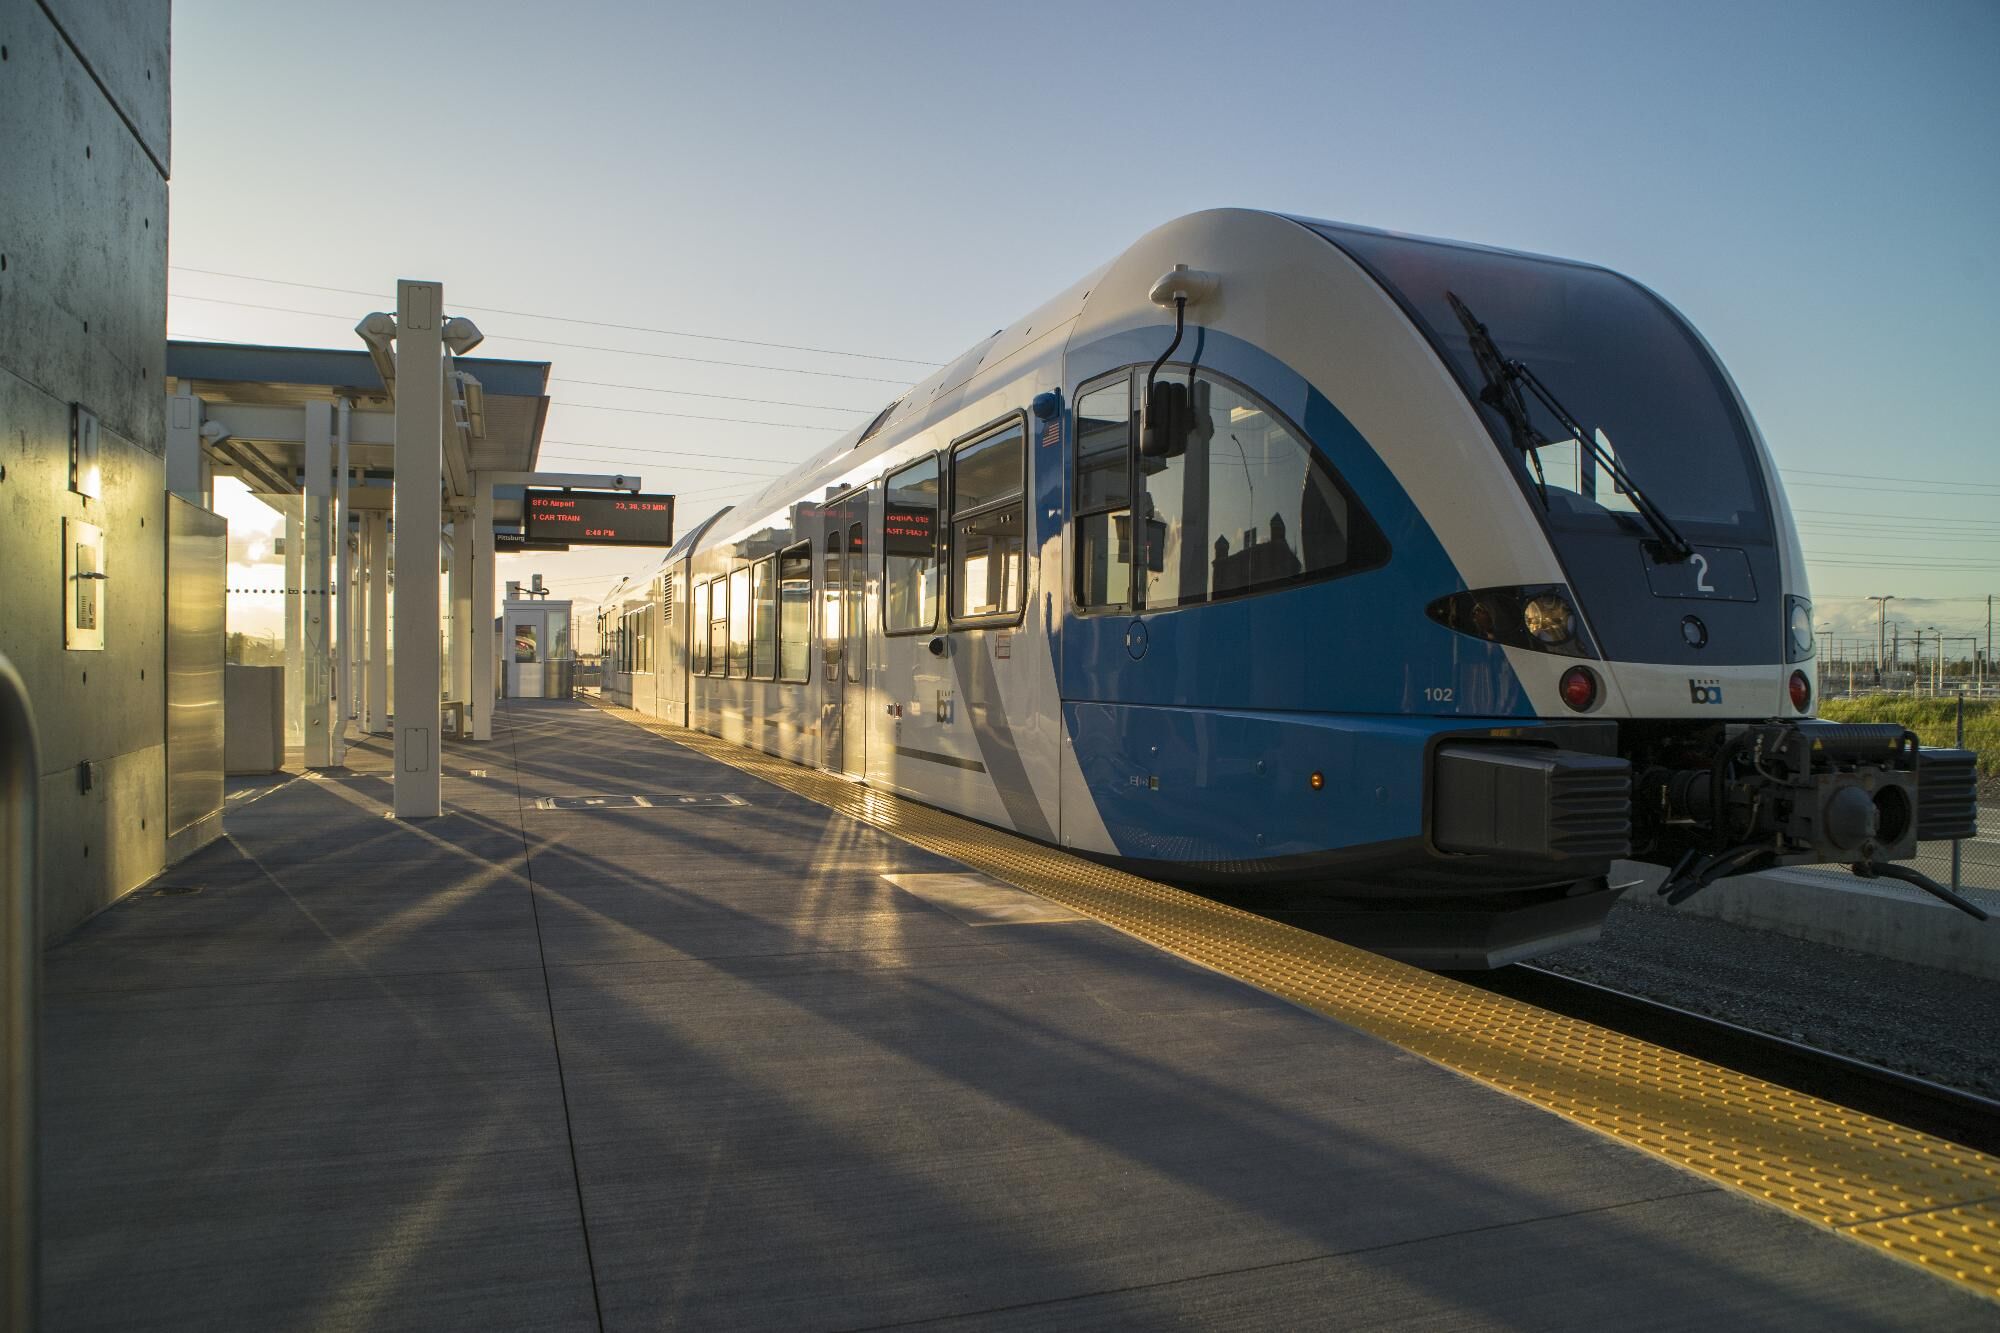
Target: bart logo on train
column 1383, row 560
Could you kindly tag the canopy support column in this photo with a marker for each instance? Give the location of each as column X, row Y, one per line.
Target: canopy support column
column 376, row 530
column 479, row 703
column 295, row 564
column 344, row 582
column 461, row 611
column 419, row 531
column 317, row 617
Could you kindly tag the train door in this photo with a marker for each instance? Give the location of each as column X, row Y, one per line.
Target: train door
column 673, row 645
column 998, row 697
column 854, row 665
column 833, row 636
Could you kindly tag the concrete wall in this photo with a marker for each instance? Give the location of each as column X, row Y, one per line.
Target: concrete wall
column 83, row 232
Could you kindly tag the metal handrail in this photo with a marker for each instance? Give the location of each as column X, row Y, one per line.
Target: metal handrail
column 20, row 980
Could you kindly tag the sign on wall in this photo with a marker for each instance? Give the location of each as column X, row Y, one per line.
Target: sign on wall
column 83, row 586
column 598, row 518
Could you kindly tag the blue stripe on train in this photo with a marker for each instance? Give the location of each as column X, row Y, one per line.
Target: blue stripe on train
column 1193, row 784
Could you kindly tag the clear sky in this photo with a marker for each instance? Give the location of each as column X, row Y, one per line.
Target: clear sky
column 1816, row 185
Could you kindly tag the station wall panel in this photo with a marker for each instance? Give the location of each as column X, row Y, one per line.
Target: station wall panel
column 82, row 320
column 83, row 227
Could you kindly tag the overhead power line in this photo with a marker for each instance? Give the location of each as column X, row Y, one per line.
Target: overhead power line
column 1887, row 517
column 695, row 416
column 698, row 393
column 1953, row 482
column 1946, row 491
column 560, row 319
column 678, row 453
column 575, row 347
column 675, row 467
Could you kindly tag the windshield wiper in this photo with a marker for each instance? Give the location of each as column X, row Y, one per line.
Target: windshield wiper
column 1502, row 393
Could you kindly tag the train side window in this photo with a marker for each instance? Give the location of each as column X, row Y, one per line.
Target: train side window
column 833, row 581
column 699, row 647
column 988, row 544
column 910, row 570
column 857, row 596
column 718, row 628
column 739, row 621
column 1104, row 494
column 764, row 619
column 795, row 613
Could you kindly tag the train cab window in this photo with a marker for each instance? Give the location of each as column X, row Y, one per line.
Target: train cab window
column 1246, row 505
column 988, row 544
column 1276, row 513
column 764, row 619
column 795, row 613
column 1104, row 494
column 699, row 646
column 909, row 549
column 739, row 622
column 718, row 628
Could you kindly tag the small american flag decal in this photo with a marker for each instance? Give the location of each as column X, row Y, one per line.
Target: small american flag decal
column 1052, row 433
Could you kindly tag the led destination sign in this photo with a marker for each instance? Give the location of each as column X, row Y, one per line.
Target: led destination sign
column 909, row 530
column 598, row 518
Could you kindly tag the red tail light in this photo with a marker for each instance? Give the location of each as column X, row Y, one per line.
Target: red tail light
column 1579, row 688
column 1801, row 691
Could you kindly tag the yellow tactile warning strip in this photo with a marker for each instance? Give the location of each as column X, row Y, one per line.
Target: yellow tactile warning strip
column 1920, row 1198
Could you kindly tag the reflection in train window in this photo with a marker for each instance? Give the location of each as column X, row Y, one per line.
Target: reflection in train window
column 1242, row 504
column 700, row 644
column 718, row 628
column 763, row 620
column 857, row 594
column 739, row 622
column 987, row 541
column 1104, row 494
column 795, row 613
column 909, row 549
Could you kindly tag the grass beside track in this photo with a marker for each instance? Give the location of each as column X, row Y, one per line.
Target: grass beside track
column 1934, row 720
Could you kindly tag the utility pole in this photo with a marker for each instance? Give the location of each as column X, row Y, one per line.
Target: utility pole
column 1881, row 625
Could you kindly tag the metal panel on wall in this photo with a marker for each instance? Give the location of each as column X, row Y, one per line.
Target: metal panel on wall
column 197, row 578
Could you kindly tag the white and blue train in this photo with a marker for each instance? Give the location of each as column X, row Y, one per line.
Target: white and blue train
column 1411, row 581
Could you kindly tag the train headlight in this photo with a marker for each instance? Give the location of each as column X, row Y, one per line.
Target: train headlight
column 1541, row 616
column 1547, row 618
column 1798, row 629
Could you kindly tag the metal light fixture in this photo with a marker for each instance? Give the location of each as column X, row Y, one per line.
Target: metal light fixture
column 461, row 335
column 378, row 332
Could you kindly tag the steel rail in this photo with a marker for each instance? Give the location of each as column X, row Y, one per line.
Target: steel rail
column 1949, row 1113
column 20, row 1000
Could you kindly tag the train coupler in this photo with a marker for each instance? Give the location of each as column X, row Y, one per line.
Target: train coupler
column 1793, row 793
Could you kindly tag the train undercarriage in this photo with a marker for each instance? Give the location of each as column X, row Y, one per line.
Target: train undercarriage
column 1532, row 835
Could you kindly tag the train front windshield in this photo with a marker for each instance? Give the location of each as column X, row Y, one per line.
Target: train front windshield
column 1623, row 366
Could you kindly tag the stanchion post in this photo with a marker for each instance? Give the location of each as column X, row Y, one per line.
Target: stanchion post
column 1958, row 843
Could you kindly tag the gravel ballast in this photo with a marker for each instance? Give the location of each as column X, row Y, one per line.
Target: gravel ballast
column 1934, row 1024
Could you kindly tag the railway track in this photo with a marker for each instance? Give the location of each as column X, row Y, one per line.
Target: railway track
column 1949, row 1113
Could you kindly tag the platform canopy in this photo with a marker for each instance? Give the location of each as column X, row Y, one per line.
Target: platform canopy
column 256, row 397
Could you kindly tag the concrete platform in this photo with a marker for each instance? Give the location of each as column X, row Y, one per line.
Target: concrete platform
column 702, row 1065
